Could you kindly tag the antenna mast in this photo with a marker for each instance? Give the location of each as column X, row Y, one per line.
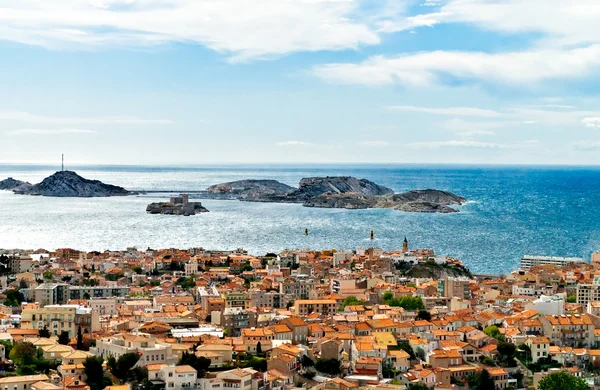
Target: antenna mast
column 63, row 162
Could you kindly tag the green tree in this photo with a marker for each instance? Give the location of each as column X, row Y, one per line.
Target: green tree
column 44, row 332
column 79, row 338
column 562, row 380
column 64, row 338
column 124, row 365
column 387, row 296
column 328, row 366
column 14, row 298
column 258, row 348
column 140, row 373
column 22, row 353
column 507, row 351
column 7, row 348
column 407, row 303
column 352, row 301
column 486, row 381
column 246, row 267
column 47, row 275
column 417, row 386
column 94, row 373
column 200, row 363
column 572, row 299
column 423, row 315
column 138, row 270
column 307, row 362
column 493, row 331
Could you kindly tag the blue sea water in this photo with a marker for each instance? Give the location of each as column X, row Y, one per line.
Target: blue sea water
column 513, row 210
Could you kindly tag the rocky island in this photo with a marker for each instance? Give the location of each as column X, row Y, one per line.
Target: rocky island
column 11, row 184
column 340, row 192
column 65, row 184
column 250, row 190
column 177, row 205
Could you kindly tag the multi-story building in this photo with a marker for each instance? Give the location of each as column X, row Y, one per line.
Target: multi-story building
column 454, row 287
column 105, row 306
column 149, row 351
column 59, row 318
column 178, row 377
column 588, row 292
column 20, row 264
column 236, row 299
column 261, row 298
column 528, row 261
column 324, row 307
column 88, row 292
column 61, row 293
column 233, row 320
column 299, row 287
column 569, row 330
column 51, row 293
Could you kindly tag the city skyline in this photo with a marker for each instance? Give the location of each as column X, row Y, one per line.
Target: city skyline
column 174, row 82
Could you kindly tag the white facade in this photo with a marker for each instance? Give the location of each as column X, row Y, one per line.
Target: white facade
column 548, row 305
column 528, row 261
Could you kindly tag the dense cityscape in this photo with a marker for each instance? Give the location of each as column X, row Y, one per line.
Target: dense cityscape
column 364, row 319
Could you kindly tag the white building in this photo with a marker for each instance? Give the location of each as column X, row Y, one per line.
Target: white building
column 528, row 261
column 144, row 345
column 548, row 305
column 178, row 377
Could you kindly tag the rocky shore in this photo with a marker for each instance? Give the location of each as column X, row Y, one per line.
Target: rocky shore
column 340, row 192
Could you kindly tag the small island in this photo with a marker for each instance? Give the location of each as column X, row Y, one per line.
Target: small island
column 64, row 184
column 177, row 205
column 343, row 192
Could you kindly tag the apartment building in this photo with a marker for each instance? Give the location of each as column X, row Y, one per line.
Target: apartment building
column 569, row 330
column 59, row 318
column 144, row 345
column 61, row 293
column 324, row 307
column 587, row 293
column 528, row 261
column 454, row 287
column 178, row 377
column 261, row 298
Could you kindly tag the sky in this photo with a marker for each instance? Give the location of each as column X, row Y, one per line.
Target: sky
column 151, row 82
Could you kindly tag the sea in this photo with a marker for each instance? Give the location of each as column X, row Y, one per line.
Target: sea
column 512, row 211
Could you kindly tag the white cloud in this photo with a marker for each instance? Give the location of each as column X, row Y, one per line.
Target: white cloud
column 456, row 144
column 530, row 122
column 240, row 28
column 431, row 68
column 591, row 122
column 19, row 116
column 563, row 23
column 456, row 111
column 294, row 143
column 472, row 144
column 587, row 145
column 475, row 133
column 375, row 143
column 49, row 131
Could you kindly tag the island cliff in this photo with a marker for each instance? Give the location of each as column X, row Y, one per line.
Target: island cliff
column 69, row 184
column 340, row 192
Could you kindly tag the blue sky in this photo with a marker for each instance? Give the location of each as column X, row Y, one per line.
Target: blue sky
column 220, row 81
